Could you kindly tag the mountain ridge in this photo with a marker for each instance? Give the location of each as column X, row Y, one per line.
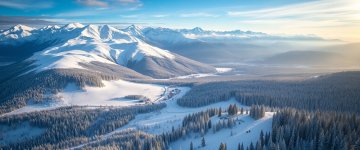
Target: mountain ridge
column 77, row 43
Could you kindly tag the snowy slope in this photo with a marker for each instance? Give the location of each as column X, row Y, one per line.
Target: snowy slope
column 232, row 137
column 112, row 94
column 172, row 115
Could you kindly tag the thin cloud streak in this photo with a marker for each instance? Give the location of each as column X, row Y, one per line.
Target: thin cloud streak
column 13, row 20
column 160, row 16
column 326, row 18
column 132, row 4
column 310, row 10
column 93, row 3
column 200, row 14
column 16, row 4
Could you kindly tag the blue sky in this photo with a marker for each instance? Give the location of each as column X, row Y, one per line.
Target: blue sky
column 338, row 19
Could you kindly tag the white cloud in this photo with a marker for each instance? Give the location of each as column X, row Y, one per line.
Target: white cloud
column 93, row 3
column 328, row 18
column 25, row 5
column 160, row 16
column 130, row 16
column 128, row 1
column 132, row 4
column 315, row 10
column 199, row 14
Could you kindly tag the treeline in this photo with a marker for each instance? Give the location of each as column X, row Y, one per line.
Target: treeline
column 199, row 122
column 194, row 123
column 17, row 88
column 257, row 112
column 136, row 97
column 334, row 92
column 129, row 140
column 70, row 126
column 299, row 129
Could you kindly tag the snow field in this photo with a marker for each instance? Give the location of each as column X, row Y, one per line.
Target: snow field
column 173, row 114
column 112, row 94
column 231, row 136
column 201, row 75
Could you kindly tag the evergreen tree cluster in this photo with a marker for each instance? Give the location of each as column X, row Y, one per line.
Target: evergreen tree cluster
column 299, row 129
column 68, row 126
column 334, row 92
column 257, row 112
column 224, row 123
column 233, row 109
column 129, row 140
column 200, row 121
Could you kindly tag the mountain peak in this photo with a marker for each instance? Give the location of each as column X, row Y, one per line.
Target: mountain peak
column 91, row 26
column 16, row 32
column 49, row 27
column 21, row 27
column 108, row 28
column 133, row 28
column 197, row 29
column 73, row 26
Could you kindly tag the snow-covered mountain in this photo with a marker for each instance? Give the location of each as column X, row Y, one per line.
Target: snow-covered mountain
column 209, row 35
column 16, row 32
column 198, row 32
column 141, row 48
column 76, row 43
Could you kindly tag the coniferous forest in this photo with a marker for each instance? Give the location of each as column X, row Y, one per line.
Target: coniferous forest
column 300, row 129
column 335, row 92
column 309, row 114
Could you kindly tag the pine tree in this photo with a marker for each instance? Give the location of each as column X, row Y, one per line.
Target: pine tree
column 203, row 144
column 242, row 146
column 209, row 124
column 262, row 140
column 222, row 146
column 191, row 146
column 258, row 146
column 252, row 146
column 219, row 115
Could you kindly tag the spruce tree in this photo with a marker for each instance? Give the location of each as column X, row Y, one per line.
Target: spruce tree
column 222, row 146
column 191, row 146
column 203, row 144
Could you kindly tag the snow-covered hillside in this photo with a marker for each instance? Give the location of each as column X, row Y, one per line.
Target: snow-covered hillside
column 112, row 94
column 239, row 134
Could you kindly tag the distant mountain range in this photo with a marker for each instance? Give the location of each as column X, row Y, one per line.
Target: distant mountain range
column 55, row 47
column 153, row 51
